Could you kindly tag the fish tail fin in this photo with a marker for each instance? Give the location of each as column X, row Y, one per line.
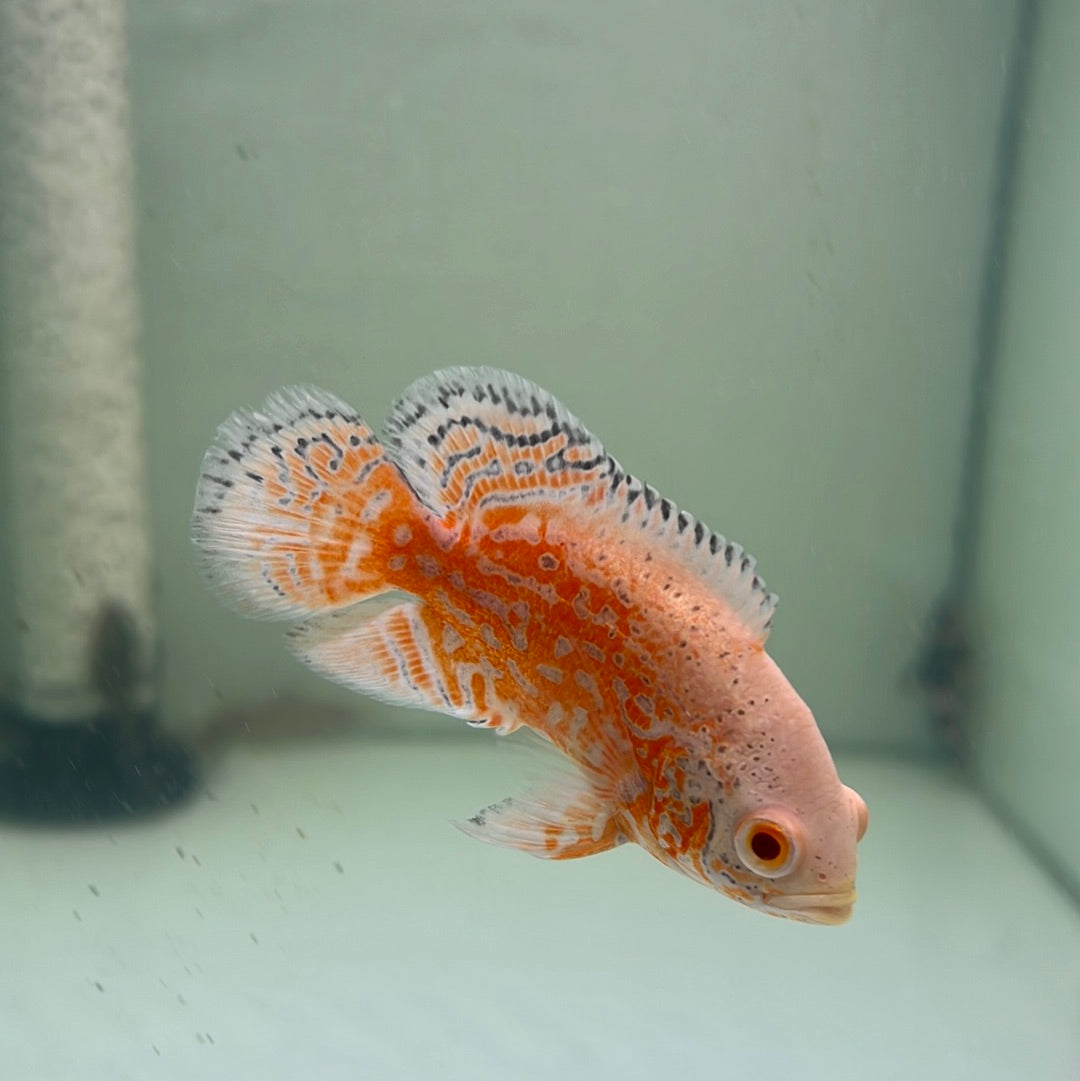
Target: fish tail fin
column 295, row 507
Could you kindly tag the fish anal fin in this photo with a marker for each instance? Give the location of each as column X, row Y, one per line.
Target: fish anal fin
column 383, row 648
column 566, row 819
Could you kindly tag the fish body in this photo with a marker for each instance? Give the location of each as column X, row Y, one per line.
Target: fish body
column 488, row 559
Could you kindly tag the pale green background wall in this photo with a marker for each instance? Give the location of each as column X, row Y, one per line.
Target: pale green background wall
column 742, row 241
column 1027, row 740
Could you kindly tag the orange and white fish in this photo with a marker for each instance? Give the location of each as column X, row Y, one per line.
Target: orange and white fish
column 488, row 559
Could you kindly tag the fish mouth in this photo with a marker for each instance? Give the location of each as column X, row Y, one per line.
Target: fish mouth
column 824, row 908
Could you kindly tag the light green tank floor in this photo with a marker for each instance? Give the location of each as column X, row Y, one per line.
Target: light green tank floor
column 313, row 914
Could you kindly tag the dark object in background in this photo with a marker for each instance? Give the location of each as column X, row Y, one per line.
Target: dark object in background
column 117, row 764
column 941, row 671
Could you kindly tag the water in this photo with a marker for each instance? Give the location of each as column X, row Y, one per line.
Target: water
column 807, row 268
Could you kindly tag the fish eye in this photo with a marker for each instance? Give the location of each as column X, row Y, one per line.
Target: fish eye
column 767, row 847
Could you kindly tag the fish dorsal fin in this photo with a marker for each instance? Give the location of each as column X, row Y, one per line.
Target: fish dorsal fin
column 724, row 565
column 471, row 438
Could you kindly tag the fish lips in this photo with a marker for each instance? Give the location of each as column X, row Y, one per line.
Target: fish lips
column 824, row 908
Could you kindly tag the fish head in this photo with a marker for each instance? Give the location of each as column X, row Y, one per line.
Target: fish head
column 785, row 828
column 790, row 859
column 751, row 804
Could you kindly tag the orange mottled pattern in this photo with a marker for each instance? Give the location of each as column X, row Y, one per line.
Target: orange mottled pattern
column 488, row 559
column 549, row 626
column 321, row 559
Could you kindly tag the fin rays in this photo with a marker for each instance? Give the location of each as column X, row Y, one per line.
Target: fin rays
column 472, row 438
column 466, row 437
column 289, row 506
column 566, row 819
column 381, row 648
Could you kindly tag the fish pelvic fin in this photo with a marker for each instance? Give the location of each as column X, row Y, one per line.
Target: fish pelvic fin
column 294, row 507
column 474, row 440
column 565, row 819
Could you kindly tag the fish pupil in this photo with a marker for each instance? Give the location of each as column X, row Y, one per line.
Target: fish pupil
column 765, row 846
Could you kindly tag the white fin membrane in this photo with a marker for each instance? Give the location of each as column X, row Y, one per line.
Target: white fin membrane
column 471, row 438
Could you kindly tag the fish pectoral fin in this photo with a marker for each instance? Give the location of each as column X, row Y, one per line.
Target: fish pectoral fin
column 565, row 820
